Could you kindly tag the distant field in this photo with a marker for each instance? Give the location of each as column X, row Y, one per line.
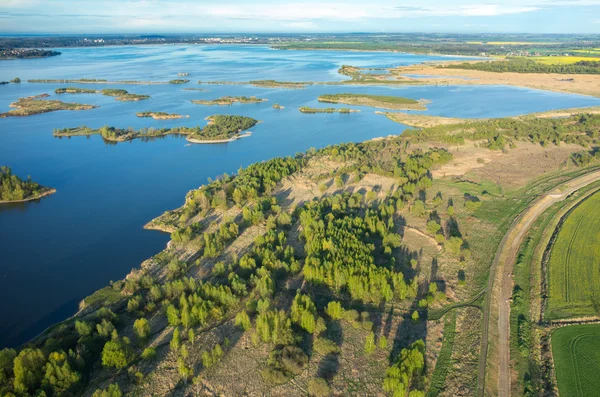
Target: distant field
column 574, row 274
column 563, row 60
column 576, row 351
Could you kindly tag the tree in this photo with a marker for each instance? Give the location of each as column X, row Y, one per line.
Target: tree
column 433, row 227
column 175, row 340
column 334, row 310
column 242, row 320
column 28, row 370
column 112, row 391
column 83, row 328
column 116, row 353
column 383, row 342
column 370, row 343
column 415, row 316
column 141, row 327
column 149, row 353
column 16, row 80
column 59, row 376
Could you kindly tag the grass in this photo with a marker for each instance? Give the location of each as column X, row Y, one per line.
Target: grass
column 574, row 277
column 306, row 109
column 442, row 366
column 228, row 100
column 576, row 351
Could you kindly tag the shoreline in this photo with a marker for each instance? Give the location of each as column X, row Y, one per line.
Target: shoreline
column 39, row 196
column 216, row 141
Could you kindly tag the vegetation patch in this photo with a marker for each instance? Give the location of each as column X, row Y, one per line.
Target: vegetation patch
column 525, row 65
column 377, row 101
column 36, row 105
column 118, row 94
column 576, row 353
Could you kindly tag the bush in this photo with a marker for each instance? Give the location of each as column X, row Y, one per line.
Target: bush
column 149, row 353
column 325, row 346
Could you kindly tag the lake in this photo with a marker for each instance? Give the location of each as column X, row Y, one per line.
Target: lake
column 58, row 250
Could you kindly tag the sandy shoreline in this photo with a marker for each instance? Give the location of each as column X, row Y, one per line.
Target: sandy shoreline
column 232, row 139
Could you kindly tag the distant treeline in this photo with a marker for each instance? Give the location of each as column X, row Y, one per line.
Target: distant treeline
column 524, row 65
column 19, row 53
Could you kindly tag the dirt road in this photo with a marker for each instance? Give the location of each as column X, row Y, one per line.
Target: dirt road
column 500, row 283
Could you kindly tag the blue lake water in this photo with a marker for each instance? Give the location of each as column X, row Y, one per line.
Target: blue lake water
column 56, row 251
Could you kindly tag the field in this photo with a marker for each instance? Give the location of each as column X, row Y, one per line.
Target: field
column 574, row 276
column 563, row 60
column 576, row 351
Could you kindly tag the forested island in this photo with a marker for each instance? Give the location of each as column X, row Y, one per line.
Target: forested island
column 229, row 100
column 26, row 53
column 307, row 109
column 159, row 115
column 14, row 189
column 221, row 128
column 524, row 65
column 29, row 106
column 118, row 94
column 376, row 101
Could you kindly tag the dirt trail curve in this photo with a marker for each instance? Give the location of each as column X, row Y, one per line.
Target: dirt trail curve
column 500, row 283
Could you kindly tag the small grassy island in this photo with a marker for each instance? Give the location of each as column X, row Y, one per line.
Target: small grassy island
column 14, row 189
column 104, row 81
column 376, row 101
column 118, row 94
column 220, row 129
column 160, row 115
column 179, row 81
column 29, row 106
column 229, row 100
column 306, row 109
column 278, row 106
column 277, row 84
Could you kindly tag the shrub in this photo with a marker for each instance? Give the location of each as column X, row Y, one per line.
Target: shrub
column 318, row 387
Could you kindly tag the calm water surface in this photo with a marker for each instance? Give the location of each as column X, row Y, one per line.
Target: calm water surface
column 56, row 251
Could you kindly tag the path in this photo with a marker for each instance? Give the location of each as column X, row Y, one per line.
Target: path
column 501, row 277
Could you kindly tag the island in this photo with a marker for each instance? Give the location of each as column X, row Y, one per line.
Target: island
column 16, row 190
column 160, row 115
column 31, row 105
column 376, row 101
column 220, row 129
column 306, row 109
column 278, row 106
column 229, row 100
column 118, row 94
column 26, row 53
column 179, row 81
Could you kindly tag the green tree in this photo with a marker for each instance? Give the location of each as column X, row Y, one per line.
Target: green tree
column 242, row 320
column 334, row 310
column 59, row 376
column 141, row 327
column 370, row 343
column 111, row 391
column 433, row 227
column 83, row 328
column 28, row 370
column 175, row 340
column 116, row 353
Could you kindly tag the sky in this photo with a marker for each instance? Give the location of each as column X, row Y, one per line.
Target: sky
column 296, row 16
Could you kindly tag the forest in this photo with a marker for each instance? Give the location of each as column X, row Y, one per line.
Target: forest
column 524, row 65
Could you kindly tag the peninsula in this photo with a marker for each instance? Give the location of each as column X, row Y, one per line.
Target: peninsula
column 29, row 106
column 220, row 129
column 14, row 189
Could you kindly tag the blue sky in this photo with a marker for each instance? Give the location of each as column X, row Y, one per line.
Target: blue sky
column 198, row 16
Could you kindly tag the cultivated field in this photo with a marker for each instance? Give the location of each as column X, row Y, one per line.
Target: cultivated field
column 576, row 351
column 574, row 275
